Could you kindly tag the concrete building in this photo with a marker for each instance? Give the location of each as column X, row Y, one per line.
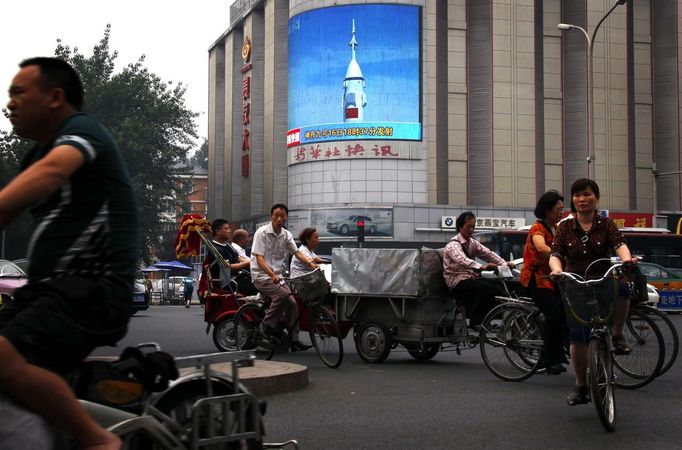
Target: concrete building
column 486, row 101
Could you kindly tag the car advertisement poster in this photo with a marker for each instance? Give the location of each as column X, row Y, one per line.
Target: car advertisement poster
column 342, row 222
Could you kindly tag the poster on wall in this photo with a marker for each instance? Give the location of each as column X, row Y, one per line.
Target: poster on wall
column 354, row 74
column 342, row 222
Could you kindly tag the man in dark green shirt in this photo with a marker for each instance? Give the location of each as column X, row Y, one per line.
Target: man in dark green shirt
column 82, row 251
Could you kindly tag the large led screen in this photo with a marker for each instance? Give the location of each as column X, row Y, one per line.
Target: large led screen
column 354, row 74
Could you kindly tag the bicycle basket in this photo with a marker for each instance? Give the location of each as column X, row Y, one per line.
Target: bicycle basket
column 311, row 286
column 579, row 300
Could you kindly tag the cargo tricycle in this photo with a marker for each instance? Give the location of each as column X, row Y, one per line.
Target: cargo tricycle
column 397, row 297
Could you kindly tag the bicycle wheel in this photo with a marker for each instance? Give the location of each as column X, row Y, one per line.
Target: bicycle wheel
column 511, row 342
column 326, row 337
column 247, row 335
column 600, row 379
column 642, row 365
column 212, row 418
column 668, row 332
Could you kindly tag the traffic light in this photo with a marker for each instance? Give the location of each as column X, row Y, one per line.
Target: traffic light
column 361, row 232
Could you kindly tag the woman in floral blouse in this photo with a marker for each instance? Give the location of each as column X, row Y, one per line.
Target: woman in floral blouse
column 534, row 277
column 579, row 242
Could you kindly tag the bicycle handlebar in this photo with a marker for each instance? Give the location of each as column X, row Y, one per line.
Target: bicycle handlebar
column 581, row 281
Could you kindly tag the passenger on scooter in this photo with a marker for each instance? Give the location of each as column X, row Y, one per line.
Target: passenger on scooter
column 82, row 255
column 272, row 243
column 463, row 273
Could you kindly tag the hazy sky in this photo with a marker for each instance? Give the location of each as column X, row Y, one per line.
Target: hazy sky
column 173, row 34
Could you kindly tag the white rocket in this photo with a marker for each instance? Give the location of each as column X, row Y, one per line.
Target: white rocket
column 354, row 99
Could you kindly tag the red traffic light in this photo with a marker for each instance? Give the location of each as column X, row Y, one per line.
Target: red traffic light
column 361, row 224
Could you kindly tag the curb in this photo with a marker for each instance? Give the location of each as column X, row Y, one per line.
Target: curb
column 269, row 377
column 263, row 378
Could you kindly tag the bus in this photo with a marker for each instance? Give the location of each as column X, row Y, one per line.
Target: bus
column 657, row 245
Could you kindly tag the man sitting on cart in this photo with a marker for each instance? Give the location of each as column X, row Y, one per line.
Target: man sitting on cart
column 272, row 243
column 236, row 268
column 463, row 273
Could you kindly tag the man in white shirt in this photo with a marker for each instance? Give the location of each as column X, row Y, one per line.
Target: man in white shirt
column 272, row 244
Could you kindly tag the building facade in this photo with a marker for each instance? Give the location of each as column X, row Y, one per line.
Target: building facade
column 410, row 111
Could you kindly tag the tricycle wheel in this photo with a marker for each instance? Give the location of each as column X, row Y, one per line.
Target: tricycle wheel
column 423, row 353
column 373, row 342
column 223, row 335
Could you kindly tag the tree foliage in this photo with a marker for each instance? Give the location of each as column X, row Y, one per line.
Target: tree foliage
column 146, row 116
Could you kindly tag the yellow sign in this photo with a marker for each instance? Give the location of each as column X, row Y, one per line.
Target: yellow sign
column 246, row 49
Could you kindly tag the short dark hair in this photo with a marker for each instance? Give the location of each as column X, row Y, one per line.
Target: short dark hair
column 57, row 73
column 547, row 202
column 306, row 234
column 279, row 206
column 584, row 183
column 462, row 218
column 218, row 224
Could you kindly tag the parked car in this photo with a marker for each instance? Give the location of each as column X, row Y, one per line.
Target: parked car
column 142, row 297
column 11, row 278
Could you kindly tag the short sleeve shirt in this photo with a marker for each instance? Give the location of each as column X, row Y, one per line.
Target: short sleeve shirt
column 297, row 267
column 275, row 248
column 228, row 254
column 90, row 225
column 460, row 265
column 535, row 264
column 578, row 249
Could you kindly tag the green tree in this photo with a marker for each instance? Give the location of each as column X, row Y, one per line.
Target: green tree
column 145, row 115
column 201, row 156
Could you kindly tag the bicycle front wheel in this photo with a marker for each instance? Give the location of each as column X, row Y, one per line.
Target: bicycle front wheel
column 511, row 342
column 326, row 337
column 668, row 332
column 642, row 365
column 600, row 378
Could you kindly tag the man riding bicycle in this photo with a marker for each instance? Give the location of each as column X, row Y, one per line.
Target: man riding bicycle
column 82, row 252
column 272, row 243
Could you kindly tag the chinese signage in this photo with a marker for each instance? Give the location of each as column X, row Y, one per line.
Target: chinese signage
column 448, row 222
column 246, row 106
column 627, row 220
column 340, row 150
column 341, row 132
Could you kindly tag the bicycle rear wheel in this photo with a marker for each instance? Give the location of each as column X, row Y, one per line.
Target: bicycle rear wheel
column 600, row 378
column 511, row 342
column 642, row 365
column 326, row 337
column 247, row 334
column 671, row 341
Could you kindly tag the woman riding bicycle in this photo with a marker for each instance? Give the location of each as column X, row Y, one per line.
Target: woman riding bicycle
column 579, row 242
column 534, row 277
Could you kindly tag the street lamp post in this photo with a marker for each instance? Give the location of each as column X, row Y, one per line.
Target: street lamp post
column 591, row 156
column 655, row 173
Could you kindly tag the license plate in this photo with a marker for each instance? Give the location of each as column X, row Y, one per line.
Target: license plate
column 138, row 298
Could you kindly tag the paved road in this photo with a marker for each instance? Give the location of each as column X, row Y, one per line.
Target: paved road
column 450, row 402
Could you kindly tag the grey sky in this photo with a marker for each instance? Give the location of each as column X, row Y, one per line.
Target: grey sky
column 174, row 35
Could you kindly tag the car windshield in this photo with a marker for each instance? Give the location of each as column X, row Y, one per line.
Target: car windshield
column 10, row 270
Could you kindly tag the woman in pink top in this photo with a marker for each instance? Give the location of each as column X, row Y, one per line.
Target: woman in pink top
column 463, row 273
